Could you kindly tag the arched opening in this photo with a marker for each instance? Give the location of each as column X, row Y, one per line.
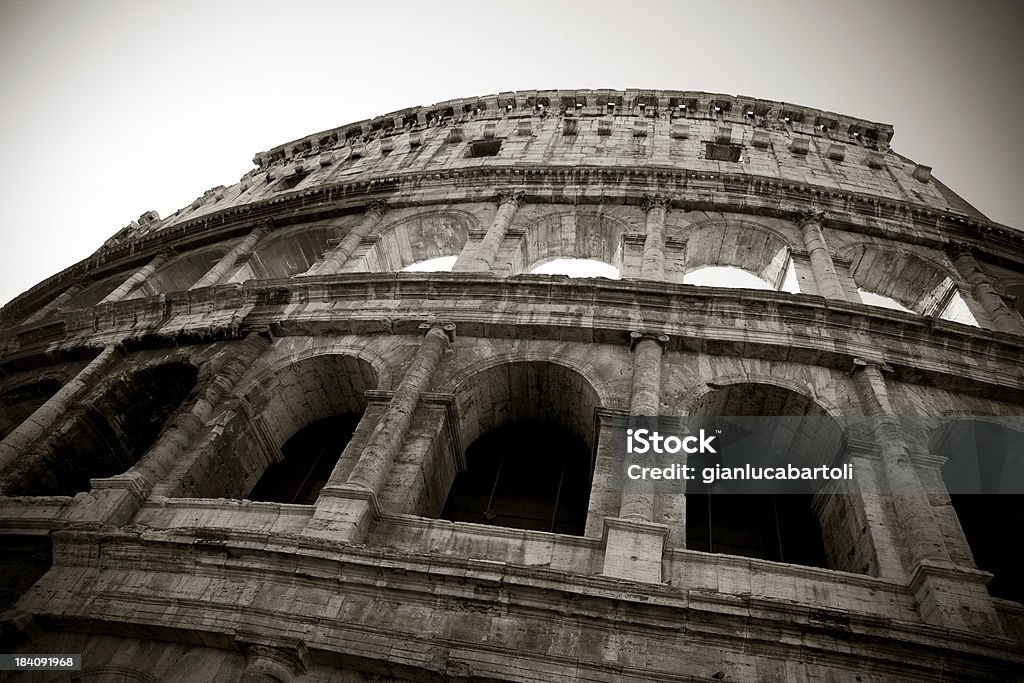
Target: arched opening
column 181, row 272
column 577, row 268
column 738, row 254
column 20, row 402
column 441, row 264
column 568, row 241
column 419, row 239
column 108, row 434
column 292, row 252
column 92, row 294
column 291, row 435
column 308, row 459
column 902, row 281
column 984, row 475
column 738, row 517
column 725, row 276
column 530, row 426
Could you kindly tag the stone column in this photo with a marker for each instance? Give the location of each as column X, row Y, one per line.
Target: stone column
column 334, row 259
column 656, row 209
column 998, row 312
column 241, row 250
column 645, row 401
column 346, row 511
column 138, row 278
column 634, row 545
column 824, row 270
column 116, row 499
column 946, row 595
column 508, row 203
column 44, row 419
column 53, row 306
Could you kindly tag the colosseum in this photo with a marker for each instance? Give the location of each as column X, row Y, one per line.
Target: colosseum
column 176, row 505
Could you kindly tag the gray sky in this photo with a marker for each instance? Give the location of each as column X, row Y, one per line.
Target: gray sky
column 115, row 108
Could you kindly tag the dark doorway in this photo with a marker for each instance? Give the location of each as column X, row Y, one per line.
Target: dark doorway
column 528, row 474
column 309, row 459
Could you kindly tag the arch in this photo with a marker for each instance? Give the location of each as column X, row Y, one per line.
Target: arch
column 423, row 236
column 108, row 433
column 18, row 402
column 92, row 294
column 605, row 396
column 916, row 282
column 312, row 400
column 576, row 234
column 287, row 253
column 380, row 369
column 530, row 426
column 744, row 245
column 181, row 272
column 984, row 476
column 829, row 407
column 733, row 517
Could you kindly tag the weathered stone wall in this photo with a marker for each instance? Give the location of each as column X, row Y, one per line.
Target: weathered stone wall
column 145, row 393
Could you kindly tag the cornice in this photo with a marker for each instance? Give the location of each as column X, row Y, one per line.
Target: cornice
column 643, row 103
column 691, row 190
column 786, row 327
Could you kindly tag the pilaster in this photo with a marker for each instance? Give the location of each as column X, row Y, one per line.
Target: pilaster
column 345, row 511
column 509, row 202
column 824, row 269
column 240, row 251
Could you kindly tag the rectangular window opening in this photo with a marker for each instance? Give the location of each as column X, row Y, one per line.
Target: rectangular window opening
column 292, row 181
column 718, row 151
column 483, row 148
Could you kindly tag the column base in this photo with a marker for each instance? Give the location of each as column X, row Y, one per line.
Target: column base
column 633, row 549
column 955, row 597
column 343, row 513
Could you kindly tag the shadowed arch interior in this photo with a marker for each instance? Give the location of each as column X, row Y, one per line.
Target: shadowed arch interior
column 305, row 416
column 578, row 235
column 984, row 474
column 530, row 426
column 108, row 433
column 18, row 403
column 94, row 293
column 420, row 238
column 288, row 253
column 722, row 518
column 181, row 272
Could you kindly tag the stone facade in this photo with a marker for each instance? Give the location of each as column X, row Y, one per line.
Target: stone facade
column 147, row 391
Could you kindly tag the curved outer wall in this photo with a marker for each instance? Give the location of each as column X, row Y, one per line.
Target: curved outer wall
column 146, row 390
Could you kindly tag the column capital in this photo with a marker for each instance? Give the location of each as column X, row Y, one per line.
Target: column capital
column 955, row 249
column 637, row 336
column 271, row 658
column 515, row 197
column 863, row 363
column 808, row 216
column 377, row 207
column 654, row 201
column 447, row 328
